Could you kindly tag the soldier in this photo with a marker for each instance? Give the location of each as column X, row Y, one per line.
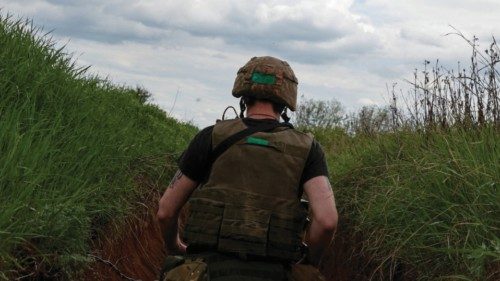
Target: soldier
column 244, row 179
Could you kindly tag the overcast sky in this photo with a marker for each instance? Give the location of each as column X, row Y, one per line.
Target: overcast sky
column 191, row 49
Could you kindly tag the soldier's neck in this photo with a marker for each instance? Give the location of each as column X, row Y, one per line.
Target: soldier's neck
column 262, row 111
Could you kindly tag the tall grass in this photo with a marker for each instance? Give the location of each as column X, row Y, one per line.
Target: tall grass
column 417, row 181
column 71, row 145
column 429, row 203
column 443, row 98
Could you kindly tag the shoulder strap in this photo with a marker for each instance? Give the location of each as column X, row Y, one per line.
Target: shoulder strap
column 227, row 143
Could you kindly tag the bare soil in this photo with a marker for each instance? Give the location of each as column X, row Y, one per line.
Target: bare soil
column 137, row 253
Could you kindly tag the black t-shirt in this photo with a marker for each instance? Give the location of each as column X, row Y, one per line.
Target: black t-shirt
column 195, row 164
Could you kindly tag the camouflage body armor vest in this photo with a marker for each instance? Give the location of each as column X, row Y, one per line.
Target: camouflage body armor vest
column 250, row 204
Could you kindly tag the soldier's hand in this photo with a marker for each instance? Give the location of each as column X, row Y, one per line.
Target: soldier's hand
column 179, row 248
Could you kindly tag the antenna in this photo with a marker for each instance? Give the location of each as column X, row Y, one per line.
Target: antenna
column 225, row 110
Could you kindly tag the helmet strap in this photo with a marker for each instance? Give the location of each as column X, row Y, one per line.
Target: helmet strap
column 284, row 115
column 242, row 108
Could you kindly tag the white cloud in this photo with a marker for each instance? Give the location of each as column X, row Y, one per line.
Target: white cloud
column 346, row 49
column 367, row 102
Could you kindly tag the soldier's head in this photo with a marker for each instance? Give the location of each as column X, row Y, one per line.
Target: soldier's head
column 266, row 79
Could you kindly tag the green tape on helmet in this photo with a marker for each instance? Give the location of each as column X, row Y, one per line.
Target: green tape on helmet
column 267, row 78
column 262, row 78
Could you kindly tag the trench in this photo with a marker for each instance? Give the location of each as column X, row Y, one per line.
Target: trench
column 133, row 251
column 136, row 252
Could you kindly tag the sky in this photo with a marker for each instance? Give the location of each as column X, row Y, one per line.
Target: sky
column 187, row 52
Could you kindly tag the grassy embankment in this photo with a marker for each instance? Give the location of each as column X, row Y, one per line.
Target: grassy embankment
column 420, row 192
column 71, row 146
column 428, row 203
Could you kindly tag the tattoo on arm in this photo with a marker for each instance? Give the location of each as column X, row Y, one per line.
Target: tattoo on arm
column 176, row 177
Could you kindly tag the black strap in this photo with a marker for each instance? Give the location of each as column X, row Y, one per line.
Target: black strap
column 227, row 143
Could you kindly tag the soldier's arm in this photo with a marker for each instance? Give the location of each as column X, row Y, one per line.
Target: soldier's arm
column 324, row 216
column 171, row 203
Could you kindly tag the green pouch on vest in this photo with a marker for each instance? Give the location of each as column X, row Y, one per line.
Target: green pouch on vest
column 244, row 230
column 204, row 222
column 284, row 236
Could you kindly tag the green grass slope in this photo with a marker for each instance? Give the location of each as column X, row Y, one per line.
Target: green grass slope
column 428, row 202
column 70, row 148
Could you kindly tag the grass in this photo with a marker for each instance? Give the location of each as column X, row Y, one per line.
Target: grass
column 421, row 193
column 71, row 145
column 417, row 182
column 428, row 202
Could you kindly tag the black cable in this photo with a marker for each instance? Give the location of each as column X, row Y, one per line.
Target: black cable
column 242, row 108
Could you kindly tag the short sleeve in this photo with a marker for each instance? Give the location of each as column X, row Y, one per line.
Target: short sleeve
column 315, row 164
column 194, row 162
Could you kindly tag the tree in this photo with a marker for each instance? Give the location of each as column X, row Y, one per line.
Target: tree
column 319, row 114
column 370, row 120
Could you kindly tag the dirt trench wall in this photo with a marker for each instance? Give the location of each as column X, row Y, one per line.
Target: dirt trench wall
column 138, row 254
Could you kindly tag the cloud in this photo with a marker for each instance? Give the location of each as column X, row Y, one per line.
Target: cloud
column 367, row 102
column 345, row 49
column 420, row 37
column 306, row 31
column 92, row 20
column 313, row 32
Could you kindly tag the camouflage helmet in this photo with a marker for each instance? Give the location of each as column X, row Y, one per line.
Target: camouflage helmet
column 267, row 78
